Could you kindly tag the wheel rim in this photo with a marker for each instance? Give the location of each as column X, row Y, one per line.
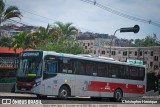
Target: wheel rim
column 118, row 96
column 64, row 93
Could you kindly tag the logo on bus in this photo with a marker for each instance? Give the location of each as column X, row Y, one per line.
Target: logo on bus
column 139, row 86
column 31, row 54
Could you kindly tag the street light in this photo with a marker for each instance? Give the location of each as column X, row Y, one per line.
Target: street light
column 134, row 29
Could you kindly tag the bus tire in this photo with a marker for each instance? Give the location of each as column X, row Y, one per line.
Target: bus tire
column 63, row 93
column 13, row 89
column 118, row 94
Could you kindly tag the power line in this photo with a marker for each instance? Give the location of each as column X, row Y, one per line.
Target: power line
column 17, row 22
column 120, row 13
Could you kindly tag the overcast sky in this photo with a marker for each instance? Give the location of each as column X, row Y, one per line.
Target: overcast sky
column 88, row 17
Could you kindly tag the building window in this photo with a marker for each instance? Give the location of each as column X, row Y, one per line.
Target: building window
column 103, row 52
column 92, row 43
column 151, row 53
column 85, row 47
column 140, row 53
column 94, row 51
column 155, row 66
column 83, row 44
column 88, row 44
column 151, row 64
column 119, row 52
column 146, row 52
column 125, row 53
column 130, row 52
column 107, row 51
column 135, row 53
column 113, row 53
column 155, row 58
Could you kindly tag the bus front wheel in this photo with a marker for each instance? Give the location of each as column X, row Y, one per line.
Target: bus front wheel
column 118, row 95
column 63, row 92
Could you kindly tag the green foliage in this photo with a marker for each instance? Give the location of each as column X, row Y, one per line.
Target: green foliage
column 148, row 41
column 65, row 30
column 61, row 47
column 55, row 38
column 60, row 39
column 21, row 40
column 5, row 41
column 9, row 12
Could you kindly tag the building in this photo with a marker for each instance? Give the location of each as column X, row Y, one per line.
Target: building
column 149, row 55
column 8, row 64
column 120, row 49
column 11, row 29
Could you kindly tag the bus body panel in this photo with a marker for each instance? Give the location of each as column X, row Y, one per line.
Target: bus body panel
column 91, row 86
column 84, row 85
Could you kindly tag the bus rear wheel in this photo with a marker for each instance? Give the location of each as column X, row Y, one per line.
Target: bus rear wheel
column 63, row 92
column 118, row 95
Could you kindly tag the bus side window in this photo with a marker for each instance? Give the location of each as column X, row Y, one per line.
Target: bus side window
column 106, row 70
column 141, row 73
column 67, row 66
column 127, row 73
column 113, row 72
column 74, row 67
column 81, row 67
column 101, row 70
column 89, row 69
column 122, row 72
column 133, row 73
column 51, row 67
column 110, row 70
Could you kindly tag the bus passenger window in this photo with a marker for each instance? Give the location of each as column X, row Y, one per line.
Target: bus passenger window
column 101, row 70
column 51, row 67
column 141, row 73
column 133, row 73
column 89, row 69
column 81, row 68
column 127, row 73
column 67, row 67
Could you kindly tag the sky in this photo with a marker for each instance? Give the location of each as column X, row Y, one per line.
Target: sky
column 89, row 17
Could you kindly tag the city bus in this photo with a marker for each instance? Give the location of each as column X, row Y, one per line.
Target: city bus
column 48, row 73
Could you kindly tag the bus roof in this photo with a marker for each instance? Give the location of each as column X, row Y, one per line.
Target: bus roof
column 88, row 57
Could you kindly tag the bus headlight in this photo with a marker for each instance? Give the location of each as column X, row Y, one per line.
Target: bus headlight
column 37, row 83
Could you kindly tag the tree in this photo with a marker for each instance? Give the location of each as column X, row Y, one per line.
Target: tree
column 59, row 39
column 61, row 47
column 8, row 13
column 139, row 42
column 5, row 41
column 65, row 30
column 147, row 41
column 44, row 32
column 21, row 40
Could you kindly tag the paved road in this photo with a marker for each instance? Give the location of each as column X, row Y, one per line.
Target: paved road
column 54, row 100
column 15, row 97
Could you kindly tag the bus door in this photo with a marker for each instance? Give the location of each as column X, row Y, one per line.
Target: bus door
column 68, row 73
column 49, row 73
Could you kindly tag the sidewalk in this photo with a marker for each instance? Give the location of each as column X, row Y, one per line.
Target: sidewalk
column 16, row 94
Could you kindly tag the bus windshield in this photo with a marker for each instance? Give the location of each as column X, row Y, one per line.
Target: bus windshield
column 30, row 65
